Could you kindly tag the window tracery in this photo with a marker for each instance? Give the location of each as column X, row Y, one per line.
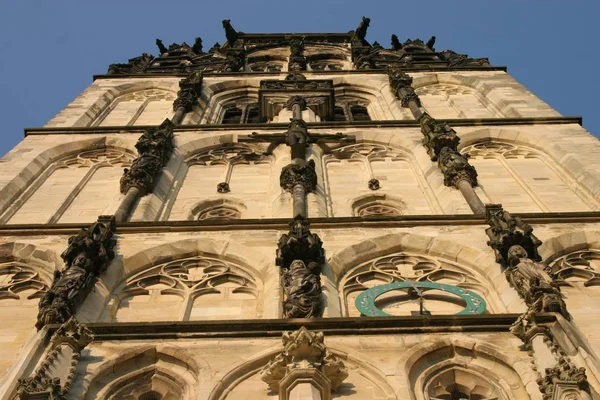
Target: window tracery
column 16, row 278
column 351, row 110
column 62, row 192
column 579, row 266
column 217, row 210
column 142, row 107
column 445, row 101
column 198, row 287
column 240, row 112
column 459, row 383
column 525, row 180
column 404, row 267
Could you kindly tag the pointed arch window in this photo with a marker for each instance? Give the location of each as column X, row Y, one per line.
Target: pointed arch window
column 525, row 180
column 244, row 111
column 142, row 107
column 232, row 115
column 351, row 110
column 190, row 288
column 74, row 189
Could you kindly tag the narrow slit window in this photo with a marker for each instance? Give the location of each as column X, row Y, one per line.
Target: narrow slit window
column 232, row 116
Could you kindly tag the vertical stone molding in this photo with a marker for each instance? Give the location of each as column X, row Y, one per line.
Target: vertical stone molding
column 300, row 256
column 506, row 231
column 54, row 374
column 558, row 377
column 154, row 148
column 305, row 369
column 86, row 257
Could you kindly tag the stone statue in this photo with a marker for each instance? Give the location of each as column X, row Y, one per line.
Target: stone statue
column 430, row 43
column 396, row 45
column 197, row 47
column 361, row 31
column 161, row 46
column 297, row 132
column 302, row 287
column 231, row 34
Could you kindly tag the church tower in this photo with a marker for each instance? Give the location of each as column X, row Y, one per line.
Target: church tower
column 302, row 216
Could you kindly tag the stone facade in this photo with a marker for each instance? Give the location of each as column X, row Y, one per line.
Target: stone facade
column 193, row 290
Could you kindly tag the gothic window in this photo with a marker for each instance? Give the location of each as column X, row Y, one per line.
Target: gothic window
column 234, row 170
column 195, row 288
column 524, row 180
column 581, row 266
column 73, row 189
column 241, row 113
column 359, row 170
column 217, row 210
column 351, row 110
column 143, row 107
column 378, row 205
column 445, row 101
column 403, row 267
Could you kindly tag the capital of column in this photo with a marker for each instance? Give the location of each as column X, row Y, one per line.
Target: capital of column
column 456, row 168
column 437, row 135
column 299, row 174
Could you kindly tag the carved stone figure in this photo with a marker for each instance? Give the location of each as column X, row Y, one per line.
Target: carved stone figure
column 136, row 65
column 154, row 148
column 430, row 43
column 234, row 60
column 401, row 86
column 161, row 47
column 455, row 168
column 297, row 61
column 396, row 45
column 361, row 31
column 86, row 257
column 231, row 34
column 299, row 174
column 197, row 47
column 532, row 281
column 364, row 58
column 303, row 350
column 297, row 133
column 462, row 60
column 506, row 231
column 189, row 90
column 437, row 135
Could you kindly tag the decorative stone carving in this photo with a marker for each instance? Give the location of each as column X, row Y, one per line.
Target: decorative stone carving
column 299, row 174
column 401, row 87
column 374, row 184
column 456, row 168
column 86, row 257
column 297, row 132
column 231, row 34
column 234, row 60
column 300, row 255
column 363, row 58
column 189, row 90
column 223, row 187
column 53, row 377
column 578, row 266
column 161, row 47
column 154, row 148
column 506, row 231
column 296, row 100
column 136, row 65
column 396, row 45
column 297, row 61
column 533, row 282
column 462, row 60
column 197, row 47
column 437, row 135
column 304, row 350
column 361, row 32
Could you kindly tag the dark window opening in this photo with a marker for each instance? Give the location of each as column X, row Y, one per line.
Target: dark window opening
column 338, row 114
column 232, row 116
column 359, row 113
column 253, row 115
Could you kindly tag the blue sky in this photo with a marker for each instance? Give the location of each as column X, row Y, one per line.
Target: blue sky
column 51, row 48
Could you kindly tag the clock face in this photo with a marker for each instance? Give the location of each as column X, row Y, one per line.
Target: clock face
column 365, row 302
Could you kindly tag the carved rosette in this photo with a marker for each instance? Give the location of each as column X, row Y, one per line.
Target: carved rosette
column 304, row 356
column 299, row 174
column 456, row 168
column 223, row 187
column 300, row 255
column 53, row 377
column 189, row 90
column 436, row 136
column 401, row 87
column 506, row 231
column 86, row 257
column 154, row 148
column 374, row 184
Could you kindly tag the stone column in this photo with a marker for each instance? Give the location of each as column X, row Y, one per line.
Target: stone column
column 305, row 369
column 439, row 138
column 296, row 104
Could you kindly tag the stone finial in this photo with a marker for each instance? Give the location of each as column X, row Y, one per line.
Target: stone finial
column 506, row 231
column 401, row 86
column 437, row 135
column 53, row 377
column 456, row 168
column 86, row 257
column 304, row 356
column 189, row 91
column 154, row 148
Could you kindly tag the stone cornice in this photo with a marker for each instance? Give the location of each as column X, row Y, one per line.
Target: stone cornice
column 329, row 326
column 282, row 223
column 314, row 125
column 307, row 73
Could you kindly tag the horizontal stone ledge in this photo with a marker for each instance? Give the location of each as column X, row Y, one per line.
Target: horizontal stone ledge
column 415, row 68
column 315, row 223
column 405, row 123
column 329, row 326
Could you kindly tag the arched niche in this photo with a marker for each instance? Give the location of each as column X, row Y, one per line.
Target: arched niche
column 237, row 171
column 401, row 257
column 365, row 381
column 525, row 179
column 444, row 369
column 143, row 372
column 366, row 169
column 139, row 107
column 25, row 275
column 202, row 287
column 73, row 187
